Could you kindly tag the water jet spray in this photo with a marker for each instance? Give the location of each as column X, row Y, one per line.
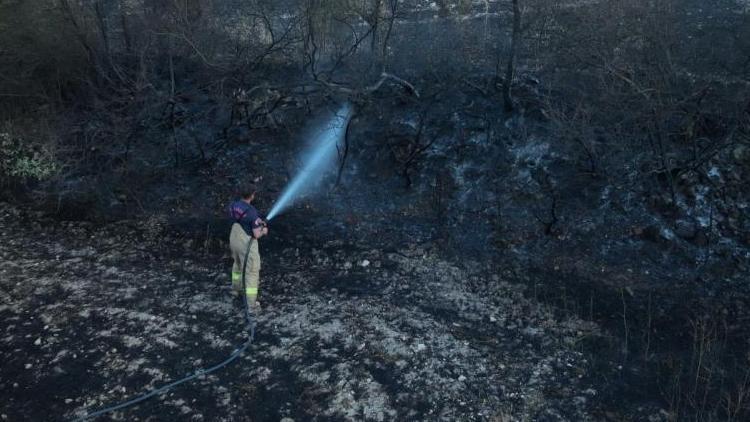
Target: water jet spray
column 318, row 159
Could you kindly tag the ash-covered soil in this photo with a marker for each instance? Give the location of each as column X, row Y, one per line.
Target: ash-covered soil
column 93, row 315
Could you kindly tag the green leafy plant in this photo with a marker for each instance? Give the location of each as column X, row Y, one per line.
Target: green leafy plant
column 24, row 161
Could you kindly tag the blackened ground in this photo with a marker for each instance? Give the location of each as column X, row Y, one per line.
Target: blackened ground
column 96, row 314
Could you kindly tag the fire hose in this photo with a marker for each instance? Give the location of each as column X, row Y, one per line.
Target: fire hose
column 250, row 326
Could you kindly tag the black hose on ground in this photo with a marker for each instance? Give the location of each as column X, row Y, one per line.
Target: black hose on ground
column 203, row 371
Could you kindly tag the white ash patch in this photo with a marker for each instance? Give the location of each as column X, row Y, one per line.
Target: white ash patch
column 181, row 405
column 330, row 330
column 203, row 302
column 131, row 341
column 360, row 400
column 216, row 341
column 135, row 365
column 166, row 342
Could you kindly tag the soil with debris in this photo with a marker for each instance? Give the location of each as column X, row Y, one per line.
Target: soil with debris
column 96, row 314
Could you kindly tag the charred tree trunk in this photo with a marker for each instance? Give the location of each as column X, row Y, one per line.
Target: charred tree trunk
column 125, row 31
column 78, row 31
column 510, row 69
column 103, row 28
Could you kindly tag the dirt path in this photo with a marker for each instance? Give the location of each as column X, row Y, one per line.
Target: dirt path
column 94, row 315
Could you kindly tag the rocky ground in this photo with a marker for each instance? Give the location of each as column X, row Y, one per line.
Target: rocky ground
column 94, row 315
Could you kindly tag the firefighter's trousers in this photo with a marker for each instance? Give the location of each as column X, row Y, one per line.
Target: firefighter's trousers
column 238, row 244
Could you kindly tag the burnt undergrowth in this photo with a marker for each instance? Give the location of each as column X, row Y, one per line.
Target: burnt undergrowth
column 668, row 346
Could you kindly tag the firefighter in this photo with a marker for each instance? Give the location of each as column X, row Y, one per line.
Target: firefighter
column 247, row 228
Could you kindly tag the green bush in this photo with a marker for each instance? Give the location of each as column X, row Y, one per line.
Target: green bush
column 22, row 162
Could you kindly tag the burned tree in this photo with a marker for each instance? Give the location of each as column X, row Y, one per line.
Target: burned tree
column 511, row 60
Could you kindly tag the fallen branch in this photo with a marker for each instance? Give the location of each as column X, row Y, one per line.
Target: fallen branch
column 385, row 76
column 372, row 88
